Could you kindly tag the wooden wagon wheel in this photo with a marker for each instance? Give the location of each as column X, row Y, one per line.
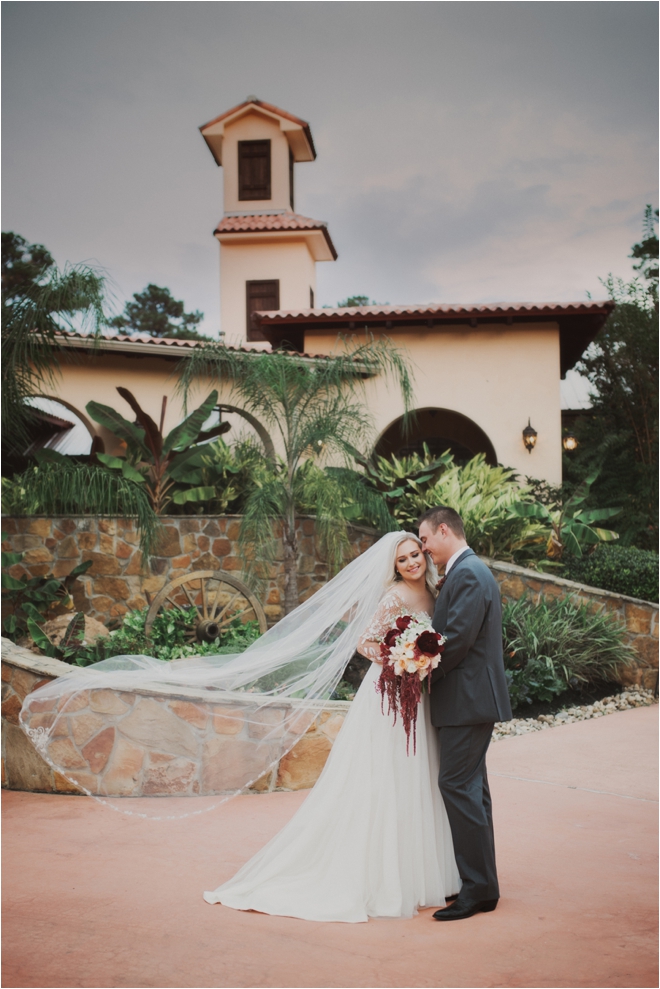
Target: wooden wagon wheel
column 218, row 598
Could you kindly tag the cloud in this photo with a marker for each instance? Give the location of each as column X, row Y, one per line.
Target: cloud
column 467, row 151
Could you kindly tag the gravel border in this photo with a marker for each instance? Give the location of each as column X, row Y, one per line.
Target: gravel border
column 624, row 701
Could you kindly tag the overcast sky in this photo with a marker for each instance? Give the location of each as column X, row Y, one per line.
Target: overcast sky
column 467, row 152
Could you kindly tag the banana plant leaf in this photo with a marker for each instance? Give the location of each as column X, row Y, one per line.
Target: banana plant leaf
column 606, row 535
column 10, row 583
column 187, row 431
column 193, row 494
column 152, row 434
column 41, row 639
column 75, row 632
column 530, row 510
column 112, row 420
column 597, row 515
column 9, row 559
column 118, row 463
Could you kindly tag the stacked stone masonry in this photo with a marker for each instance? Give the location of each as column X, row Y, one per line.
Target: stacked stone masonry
column 118, row 580
column 104, row 739
column 639, row 617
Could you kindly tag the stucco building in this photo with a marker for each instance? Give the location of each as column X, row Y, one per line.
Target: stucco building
column 482, row 372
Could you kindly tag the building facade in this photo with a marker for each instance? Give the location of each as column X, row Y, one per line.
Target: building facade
column 482, row 373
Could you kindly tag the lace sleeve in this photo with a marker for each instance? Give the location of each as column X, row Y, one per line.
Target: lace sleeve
column 389, row 609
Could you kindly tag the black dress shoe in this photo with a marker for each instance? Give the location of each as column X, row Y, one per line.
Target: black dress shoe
column 450, row 899
column 458, row 910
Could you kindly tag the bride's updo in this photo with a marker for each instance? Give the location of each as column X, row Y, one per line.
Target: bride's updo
column 431, row 571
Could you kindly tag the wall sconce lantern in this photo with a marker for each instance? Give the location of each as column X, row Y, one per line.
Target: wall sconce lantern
column 570, row 443
column 529, row 435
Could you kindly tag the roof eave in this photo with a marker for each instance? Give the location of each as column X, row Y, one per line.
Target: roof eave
column 578, row 324
column 308, row 234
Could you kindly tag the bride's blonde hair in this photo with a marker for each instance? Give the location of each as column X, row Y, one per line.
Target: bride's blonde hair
column 431, row 571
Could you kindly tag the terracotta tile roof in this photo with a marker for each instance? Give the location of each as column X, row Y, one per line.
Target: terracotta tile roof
column 579, row 322
column 272, row 109
column 139, row 342
column 440, row 310
column 273, row 221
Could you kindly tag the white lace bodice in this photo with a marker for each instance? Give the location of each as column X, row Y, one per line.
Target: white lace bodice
column 390, row 608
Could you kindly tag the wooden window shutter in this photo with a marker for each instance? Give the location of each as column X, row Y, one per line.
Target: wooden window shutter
column 254, row 170
column 261, row 296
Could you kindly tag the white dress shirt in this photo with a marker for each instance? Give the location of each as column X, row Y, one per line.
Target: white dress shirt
column 452, row 559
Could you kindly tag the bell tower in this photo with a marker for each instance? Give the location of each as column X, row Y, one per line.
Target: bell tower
column 268, row 252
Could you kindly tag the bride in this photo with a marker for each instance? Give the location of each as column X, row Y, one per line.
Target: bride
column 372, row 839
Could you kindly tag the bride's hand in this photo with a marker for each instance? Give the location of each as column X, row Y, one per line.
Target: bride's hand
column 371, row 651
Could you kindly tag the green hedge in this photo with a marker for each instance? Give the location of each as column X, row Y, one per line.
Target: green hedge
column 622, row 569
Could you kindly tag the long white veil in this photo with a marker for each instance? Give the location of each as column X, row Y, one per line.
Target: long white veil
column 209, row 726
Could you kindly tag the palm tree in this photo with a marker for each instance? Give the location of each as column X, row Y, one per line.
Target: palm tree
column 34, row 315
column 316, row 408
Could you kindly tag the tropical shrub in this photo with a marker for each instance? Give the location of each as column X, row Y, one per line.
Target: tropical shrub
column 57, row 485
column 551, row 646
column 317, row 410
column 222, row 476
column 154, row 459
column 569, row 527
column 482, row 495
column 401, row 482
column 38, row 303
column 167, row 640
column 30, row 599
column 621, row 569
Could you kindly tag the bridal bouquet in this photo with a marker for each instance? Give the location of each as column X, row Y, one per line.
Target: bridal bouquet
column 411, row 651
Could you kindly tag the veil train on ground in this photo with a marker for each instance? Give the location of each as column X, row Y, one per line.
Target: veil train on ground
column 211, row 726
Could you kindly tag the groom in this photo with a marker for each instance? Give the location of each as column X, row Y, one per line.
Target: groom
column 469, row 693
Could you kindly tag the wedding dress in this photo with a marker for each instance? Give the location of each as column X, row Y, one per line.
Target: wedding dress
column 372, row 839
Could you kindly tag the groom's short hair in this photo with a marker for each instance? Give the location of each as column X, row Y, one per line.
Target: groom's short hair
column 436, row 516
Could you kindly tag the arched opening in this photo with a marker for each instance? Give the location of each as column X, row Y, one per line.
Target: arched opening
column 440, row 429
column 59, row 426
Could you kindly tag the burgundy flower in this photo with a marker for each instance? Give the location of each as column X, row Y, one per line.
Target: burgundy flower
column 392, row 636
column 403, row 622
column 427, row 642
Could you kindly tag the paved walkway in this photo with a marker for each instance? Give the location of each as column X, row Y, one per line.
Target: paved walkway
column 97, row 899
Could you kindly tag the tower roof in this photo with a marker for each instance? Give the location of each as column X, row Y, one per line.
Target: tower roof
column 274, row 222
column 297, row 131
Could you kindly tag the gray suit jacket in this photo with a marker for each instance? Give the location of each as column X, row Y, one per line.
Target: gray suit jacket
column 469, row 687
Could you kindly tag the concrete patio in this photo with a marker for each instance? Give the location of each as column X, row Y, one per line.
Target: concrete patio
column 94, row 898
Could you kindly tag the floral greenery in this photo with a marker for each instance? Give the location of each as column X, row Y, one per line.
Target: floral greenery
column 622, row 569
column 168, row 638
column 552, row 646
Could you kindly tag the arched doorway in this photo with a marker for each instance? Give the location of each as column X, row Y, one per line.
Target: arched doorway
column 440, row 429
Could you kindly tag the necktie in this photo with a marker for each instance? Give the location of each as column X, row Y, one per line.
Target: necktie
column 438, row 586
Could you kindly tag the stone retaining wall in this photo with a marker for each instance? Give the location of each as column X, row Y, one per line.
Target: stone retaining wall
column 118, row 759
column 640, row 617
column 118, row 581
